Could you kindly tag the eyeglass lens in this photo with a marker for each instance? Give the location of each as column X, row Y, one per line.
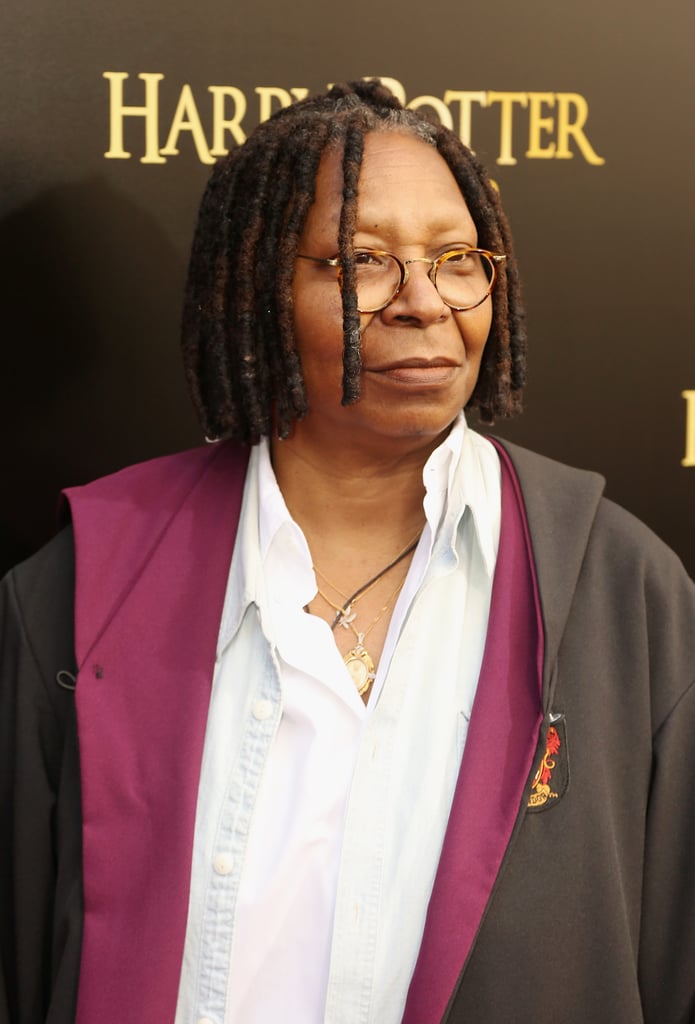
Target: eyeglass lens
column 462, row 279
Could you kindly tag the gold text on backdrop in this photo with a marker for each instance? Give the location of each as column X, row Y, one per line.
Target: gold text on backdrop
column 554, row 121
column 689, row 459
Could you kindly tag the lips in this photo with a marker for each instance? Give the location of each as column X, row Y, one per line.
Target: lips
column 417, row 371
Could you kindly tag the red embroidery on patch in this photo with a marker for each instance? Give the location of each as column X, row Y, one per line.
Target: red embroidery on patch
column 540, row 787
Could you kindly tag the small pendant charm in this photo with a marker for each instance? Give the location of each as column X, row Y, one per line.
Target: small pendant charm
column 361, row 668
column 346, row 616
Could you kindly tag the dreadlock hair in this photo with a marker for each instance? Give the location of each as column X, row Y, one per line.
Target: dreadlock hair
column 240, row 357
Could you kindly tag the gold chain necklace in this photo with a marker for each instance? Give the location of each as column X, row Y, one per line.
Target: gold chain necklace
column 344, row 611
column 358, row 660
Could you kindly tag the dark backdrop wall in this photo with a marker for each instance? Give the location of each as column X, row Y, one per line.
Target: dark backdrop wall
column 111, row 114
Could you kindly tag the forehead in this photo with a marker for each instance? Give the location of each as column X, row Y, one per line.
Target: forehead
column 406, row 190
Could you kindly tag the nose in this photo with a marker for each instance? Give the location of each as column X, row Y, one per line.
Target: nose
column 418, row 300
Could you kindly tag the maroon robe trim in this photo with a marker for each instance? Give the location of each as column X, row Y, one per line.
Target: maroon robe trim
column 497, row 759
column 153, row 548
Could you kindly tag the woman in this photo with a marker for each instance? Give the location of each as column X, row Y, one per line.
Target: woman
column 377, row 719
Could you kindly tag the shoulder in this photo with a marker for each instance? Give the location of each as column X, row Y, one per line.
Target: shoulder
column 152, row 525
column 535, row 470
column 119, row 519
column 562, row 501
column 163, row 479
column 606, row 579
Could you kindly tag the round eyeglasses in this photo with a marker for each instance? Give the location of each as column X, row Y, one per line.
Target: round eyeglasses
column 463, row 277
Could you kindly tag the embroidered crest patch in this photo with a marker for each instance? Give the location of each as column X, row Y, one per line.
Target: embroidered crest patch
column 552, row 775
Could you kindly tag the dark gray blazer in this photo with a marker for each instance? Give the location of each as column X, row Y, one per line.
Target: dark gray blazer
column 592, row 918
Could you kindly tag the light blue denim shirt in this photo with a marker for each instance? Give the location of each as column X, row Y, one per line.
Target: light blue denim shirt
column 320, row 821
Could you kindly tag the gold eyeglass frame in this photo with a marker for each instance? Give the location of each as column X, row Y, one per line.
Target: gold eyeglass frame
column 493, row 257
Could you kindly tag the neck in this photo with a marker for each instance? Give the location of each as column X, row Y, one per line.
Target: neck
column 358, row 515
column 345, row 503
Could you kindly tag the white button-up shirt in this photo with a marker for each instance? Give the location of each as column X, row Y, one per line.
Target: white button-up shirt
column 320, row 820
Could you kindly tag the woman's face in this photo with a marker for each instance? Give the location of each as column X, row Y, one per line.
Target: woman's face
column 420, row 359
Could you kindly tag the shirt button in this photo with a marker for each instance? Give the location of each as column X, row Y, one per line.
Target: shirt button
column 223, row 864
column 262, row 709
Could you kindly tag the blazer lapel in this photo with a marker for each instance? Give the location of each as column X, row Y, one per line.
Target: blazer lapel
column 153, row 549
column 497, row 759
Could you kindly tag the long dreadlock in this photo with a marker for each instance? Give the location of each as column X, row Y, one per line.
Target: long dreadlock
column 241, row 361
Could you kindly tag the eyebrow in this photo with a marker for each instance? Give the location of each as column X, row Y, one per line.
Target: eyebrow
column 434, row 246
column 384, row 228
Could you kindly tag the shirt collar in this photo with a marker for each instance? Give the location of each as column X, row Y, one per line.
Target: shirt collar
column 463, row 473
column 270, row 545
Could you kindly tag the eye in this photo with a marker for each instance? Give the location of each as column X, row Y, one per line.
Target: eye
column 372, row 259
column 457, row 256
column 459, row 261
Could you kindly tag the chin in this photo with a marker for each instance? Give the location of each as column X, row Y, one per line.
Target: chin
column 424, row 423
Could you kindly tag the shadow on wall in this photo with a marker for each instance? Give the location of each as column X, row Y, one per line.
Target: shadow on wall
column 90, row 376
